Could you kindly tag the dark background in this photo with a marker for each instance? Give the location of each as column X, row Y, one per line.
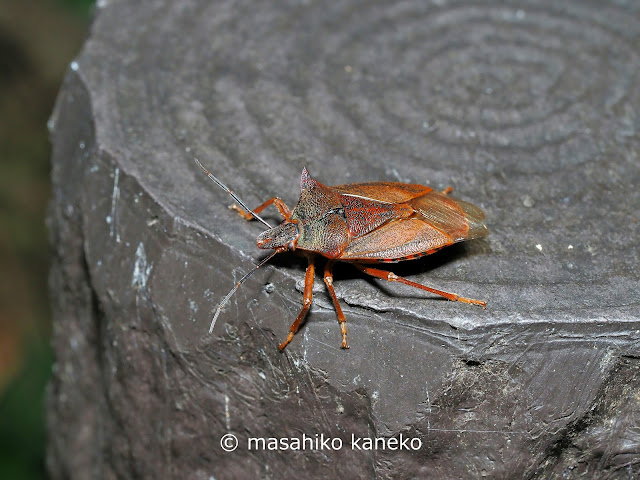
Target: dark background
column 38, row 39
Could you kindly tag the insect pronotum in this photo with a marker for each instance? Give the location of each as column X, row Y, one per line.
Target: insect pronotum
column 360, row 223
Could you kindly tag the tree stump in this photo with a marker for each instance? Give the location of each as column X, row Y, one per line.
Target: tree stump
column 530, row 110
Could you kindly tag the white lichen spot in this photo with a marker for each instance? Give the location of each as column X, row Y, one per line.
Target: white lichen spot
column 115, row 196
column 141, row 269
column 74, row 66
column 227, row 415
column 393, row 172
column 193, row 306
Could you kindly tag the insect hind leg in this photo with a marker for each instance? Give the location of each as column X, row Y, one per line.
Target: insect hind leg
column 392, row 277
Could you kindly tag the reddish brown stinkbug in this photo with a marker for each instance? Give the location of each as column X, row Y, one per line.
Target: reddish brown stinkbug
column 361, row 223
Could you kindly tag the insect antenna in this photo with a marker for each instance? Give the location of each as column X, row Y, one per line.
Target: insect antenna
column 237, row 285
column 230, row 192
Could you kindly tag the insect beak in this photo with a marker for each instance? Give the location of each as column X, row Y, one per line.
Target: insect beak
column 284, row 235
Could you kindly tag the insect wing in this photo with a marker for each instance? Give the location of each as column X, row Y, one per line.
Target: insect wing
column 438, row 221
column 397, row 240
column 459, row 219
column 389, row 192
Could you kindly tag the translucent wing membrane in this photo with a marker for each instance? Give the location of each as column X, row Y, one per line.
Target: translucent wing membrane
column 458, row 219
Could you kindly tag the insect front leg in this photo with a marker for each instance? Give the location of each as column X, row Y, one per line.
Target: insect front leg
column 280, row 205
column 328, row 280
column 306, row 302
column 392, row 277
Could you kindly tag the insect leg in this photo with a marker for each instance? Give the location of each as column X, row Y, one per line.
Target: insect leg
column 306, row 302
column 280, row 205
column 392, row 277
column 447, row 191
column 328, row 280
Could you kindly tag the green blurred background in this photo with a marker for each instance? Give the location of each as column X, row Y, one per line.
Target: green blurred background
column 38, row 39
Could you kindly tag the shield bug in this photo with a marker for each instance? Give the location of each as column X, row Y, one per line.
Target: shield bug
column 363, row 224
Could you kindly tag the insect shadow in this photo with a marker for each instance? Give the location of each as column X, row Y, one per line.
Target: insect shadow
column 344, row 271
column 407, row 269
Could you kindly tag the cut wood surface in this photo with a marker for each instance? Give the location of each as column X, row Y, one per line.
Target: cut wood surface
column 528, row 109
